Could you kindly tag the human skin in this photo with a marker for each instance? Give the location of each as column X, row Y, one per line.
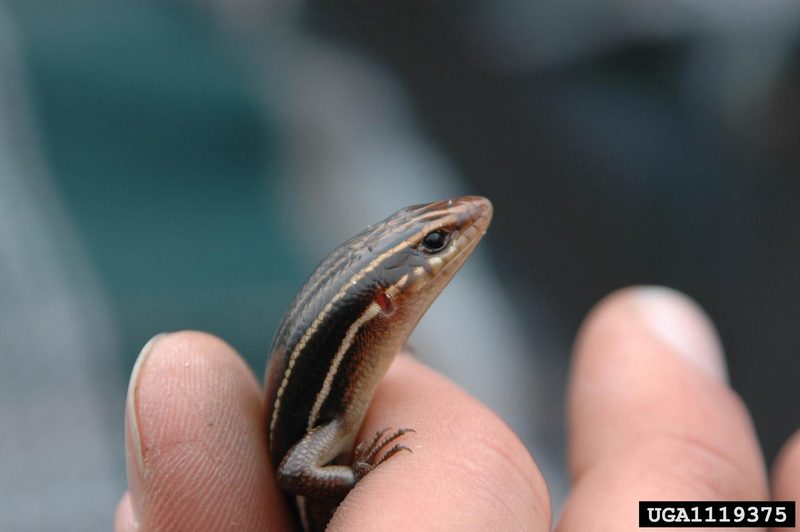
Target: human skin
column 650, row 415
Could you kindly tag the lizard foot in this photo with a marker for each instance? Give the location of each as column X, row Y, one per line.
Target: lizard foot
column 366, row 454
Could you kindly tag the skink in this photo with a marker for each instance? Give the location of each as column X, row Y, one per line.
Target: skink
column 339, row 337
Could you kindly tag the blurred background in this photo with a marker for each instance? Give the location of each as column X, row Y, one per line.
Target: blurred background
column 185, row 164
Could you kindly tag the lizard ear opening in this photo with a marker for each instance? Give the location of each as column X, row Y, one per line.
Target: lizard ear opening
column 385, row 302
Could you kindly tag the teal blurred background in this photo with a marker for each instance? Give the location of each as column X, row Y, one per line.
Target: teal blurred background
column 164, row 163
column 184, row 164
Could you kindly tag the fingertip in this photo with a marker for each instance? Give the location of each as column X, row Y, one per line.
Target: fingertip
column 786, row 471
column 664, row 315
column 650, row 413
column 468, row 468
column 200, row 430
column 683, row 324
column 124, row 519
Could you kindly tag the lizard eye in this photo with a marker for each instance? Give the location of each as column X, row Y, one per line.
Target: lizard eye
column 435, row 241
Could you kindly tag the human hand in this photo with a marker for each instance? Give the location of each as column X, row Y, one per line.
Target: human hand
column 650, row 417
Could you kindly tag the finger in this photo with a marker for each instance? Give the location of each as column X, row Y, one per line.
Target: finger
column 196, row 441
column 651, row 416
column 786, row 471
column 468, row 470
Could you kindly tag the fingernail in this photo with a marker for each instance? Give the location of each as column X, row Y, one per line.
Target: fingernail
column 133, row 442
column 681, row 323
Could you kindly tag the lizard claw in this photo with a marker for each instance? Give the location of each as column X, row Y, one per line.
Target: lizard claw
column 366, row 454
